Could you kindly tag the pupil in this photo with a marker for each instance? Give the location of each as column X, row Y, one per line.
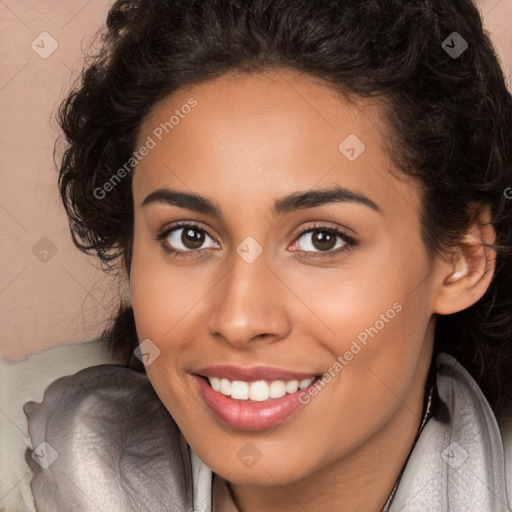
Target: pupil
column 323, row 240
column 192, row 238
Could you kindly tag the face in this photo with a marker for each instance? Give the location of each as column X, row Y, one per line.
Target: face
column 301, row 258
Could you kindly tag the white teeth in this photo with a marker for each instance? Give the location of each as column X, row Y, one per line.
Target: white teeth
column 277, row 389
column 215, row 383
column 259, row 390
column 292, row 386
column 305, row 383
column 225, row 387
column 239, row 390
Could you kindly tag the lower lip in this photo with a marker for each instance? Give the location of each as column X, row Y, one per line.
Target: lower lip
column 244, row 415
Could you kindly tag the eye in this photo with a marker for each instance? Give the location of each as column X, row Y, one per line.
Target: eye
column 184, row 238
column 187, row 240
column 322, row 241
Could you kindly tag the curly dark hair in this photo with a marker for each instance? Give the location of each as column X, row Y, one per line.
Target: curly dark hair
column 449, row 116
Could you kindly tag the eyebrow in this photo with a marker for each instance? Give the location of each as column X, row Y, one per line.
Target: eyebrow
column 287, row 204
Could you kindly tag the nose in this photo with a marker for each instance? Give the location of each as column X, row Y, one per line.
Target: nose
column 250, row 304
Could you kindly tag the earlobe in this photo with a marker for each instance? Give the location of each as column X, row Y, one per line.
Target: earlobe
column 472, row 267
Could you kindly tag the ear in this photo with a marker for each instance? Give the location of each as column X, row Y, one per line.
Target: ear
column 467, row 274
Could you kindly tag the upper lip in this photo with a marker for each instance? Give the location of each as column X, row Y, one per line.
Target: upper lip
column 252, row 374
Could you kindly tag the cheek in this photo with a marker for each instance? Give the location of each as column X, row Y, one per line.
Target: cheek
column 376, row 291
column 167, row 301
column 161, row 293
column 162, row 301
column 377, row 314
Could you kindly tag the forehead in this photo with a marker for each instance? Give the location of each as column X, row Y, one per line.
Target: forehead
column 260, row 133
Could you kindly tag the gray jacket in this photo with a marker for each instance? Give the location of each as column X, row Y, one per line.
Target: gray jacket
column 102, row 440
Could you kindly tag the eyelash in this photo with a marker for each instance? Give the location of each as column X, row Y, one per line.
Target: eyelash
column 350, row 242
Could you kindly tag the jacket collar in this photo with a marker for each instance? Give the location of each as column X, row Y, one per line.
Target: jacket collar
column 457, row 462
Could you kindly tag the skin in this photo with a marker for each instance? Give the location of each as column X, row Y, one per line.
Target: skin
column 250, row 140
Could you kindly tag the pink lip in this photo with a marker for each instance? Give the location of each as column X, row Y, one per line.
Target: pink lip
column 252, row 374
column 248, row 415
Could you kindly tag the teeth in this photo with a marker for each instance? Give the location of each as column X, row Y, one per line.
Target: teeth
column 305, row 383
column 225, row 387
column 239, row 390
column 259, row 390
column 215, row 383
column 292, row 386
column 277, row 389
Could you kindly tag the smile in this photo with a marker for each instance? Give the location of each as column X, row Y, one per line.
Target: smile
column 258, row 391
column 252, row 398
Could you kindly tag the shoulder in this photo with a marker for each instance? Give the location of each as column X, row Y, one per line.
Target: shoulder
column 101, row 438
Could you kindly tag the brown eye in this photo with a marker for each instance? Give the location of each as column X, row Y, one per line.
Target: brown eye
column 320, row 240
column 186, row 238
column 192, row 238
column 323, row 240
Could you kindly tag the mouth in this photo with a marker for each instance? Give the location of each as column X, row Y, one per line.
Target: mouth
column 252, row 404
column 258, row 390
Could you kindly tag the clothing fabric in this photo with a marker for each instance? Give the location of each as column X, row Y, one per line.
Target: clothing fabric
column 103, row 440
column 23, row 380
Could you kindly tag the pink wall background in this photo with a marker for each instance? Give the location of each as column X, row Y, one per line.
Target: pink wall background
column 49, row 292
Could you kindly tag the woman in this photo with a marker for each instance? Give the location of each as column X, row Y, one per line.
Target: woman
column 309, row 201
